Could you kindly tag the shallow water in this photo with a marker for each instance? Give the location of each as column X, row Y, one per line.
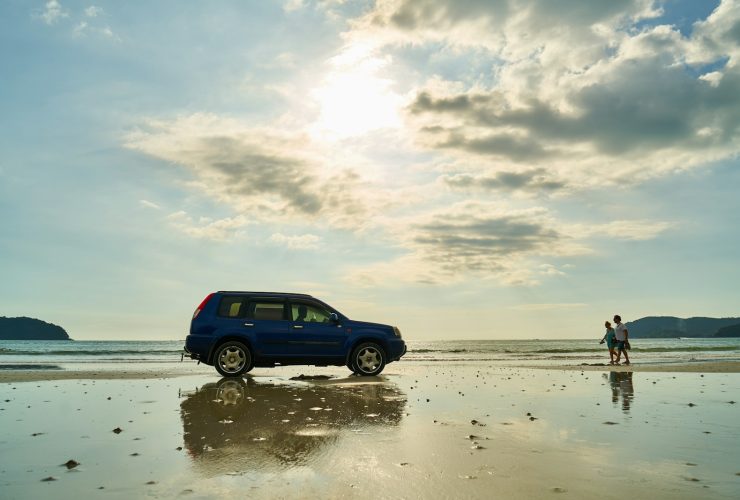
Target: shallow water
column 404, row 434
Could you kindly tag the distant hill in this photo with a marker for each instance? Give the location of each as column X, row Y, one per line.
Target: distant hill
column 729, row 331
column 30, row 329
column 670, row 326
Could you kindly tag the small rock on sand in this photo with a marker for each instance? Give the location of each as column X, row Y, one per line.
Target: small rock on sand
column 118, row 430
column 611, row 423
column 559, row 490
column 50, row 478
column 151, row 482
column 71, row 464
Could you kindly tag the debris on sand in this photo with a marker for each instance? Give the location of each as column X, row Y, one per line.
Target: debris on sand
column 151, row 482
column 71, row 463
column 475, row 422
column 611, row 423
column 118, row 430
column 311, row 377
column 50, row 478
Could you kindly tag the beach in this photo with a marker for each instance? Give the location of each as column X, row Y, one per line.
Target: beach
column 423, row 429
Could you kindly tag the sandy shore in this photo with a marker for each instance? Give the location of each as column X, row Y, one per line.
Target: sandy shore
column 690, row 367
column 422, row 430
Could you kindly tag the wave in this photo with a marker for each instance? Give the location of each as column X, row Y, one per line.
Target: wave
column 423, row 351
column 86, row 352
column 643, row 349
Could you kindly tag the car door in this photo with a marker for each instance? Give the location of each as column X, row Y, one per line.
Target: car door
column 313, row 333
column 267, row 320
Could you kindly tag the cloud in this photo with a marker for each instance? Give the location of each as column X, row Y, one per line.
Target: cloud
column 481, row 239
column 53, row 12
column 532, row 180
column 296, row 242
column 149, row 204
column 487, row 240
column 93, row 11
column 207, row 228
column 588, row 91
column 635, row 230
column 260, row 172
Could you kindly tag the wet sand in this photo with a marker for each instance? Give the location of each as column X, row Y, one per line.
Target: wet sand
column 422, row 430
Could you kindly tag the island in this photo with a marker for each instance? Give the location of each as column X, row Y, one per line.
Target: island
column 728, row 331
column 30, row 329
column 672, row 327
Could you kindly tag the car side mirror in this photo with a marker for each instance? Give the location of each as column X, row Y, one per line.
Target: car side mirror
column 334, row 317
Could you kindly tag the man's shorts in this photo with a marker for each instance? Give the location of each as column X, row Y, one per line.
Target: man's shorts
column 620, row 345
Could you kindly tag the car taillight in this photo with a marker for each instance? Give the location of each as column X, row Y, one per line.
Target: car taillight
column 202, row 305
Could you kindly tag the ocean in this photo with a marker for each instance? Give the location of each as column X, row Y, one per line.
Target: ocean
column 30, row 354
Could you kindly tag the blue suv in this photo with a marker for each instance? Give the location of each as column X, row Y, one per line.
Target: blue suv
column 236, row 331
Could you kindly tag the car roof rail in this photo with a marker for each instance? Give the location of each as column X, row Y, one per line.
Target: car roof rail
column 273, row 294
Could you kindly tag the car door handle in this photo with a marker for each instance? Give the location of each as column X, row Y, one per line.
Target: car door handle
column 248, row 324
column 297, row 327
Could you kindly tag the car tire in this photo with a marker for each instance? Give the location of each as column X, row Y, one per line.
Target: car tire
column 368, row 359
column 232, row 359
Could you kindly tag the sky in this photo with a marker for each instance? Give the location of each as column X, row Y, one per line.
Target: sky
column 462, row 169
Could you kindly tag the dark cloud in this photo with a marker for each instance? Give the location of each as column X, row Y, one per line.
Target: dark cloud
column 644, row 107
column 243, row 172
column 259, row 174
column 429, row 14
column 534, row 180
column 477, row 241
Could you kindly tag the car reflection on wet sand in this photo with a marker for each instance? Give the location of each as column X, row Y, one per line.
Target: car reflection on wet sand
column 237, row 425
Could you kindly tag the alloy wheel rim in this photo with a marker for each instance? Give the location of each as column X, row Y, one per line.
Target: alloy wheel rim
column 368, row 359
column 232, row 359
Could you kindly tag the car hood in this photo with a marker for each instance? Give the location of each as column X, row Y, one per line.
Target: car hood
column 368, row 324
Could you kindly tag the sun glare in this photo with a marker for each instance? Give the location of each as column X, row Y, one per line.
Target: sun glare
column 354, row 100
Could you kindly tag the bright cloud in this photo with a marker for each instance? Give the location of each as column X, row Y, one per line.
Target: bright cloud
column 579, row 95
column 53, row 12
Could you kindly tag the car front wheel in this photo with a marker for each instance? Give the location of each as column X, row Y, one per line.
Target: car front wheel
column 233, row 359
column 368, row 359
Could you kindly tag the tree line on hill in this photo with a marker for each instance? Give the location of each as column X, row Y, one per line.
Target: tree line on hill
column 671, row 327
column 30, row 329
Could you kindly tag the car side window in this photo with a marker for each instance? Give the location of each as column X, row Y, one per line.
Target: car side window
column 305, row 312
column 232, row 307
column 267, row 310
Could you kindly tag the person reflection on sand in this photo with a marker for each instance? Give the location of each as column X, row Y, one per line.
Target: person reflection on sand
column 237, row 425
column 621, row 385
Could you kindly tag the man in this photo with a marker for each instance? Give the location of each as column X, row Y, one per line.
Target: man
column 621, row 334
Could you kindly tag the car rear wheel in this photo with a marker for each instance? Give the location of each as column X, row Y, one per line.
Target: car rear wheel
column 233, row 359
column 368, row 359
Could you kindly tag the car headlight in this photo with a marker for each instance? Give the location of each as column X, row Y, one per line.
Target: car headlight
column 396, row 332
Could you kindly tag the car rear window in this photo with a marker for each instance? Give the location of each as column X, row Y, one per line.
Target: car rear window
column 232, row 306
